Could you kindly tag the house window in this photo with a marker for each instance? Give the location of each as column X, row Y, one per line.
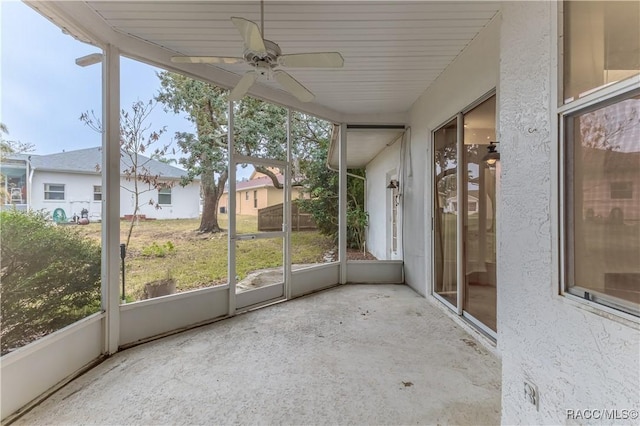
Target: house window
column 246, row 195
column 601, row 44
column 255, row 199
column 97, row 193
column 601, row 148
column 53, row 191
column 164, row 196
column 621, row 190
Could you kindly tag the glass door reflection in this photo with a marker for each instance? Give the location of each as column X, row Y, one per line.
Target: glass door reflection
column 480, row 286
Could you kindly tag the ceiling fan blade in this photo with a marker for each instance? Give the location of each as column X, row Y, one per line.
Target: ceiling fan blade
column 312, row 60
column 243, row 86
column 251, row 34
column 293, row 86
column 205, row 60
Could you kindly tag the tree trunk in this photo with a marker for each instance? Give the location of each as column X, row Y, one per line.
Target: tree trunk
column 134, row 217
column 211, row 194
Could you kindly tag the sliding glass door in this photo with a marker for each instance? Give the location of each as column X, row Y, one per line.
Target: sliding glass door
column 464, row 219
column 479, row 248
column 445, row 217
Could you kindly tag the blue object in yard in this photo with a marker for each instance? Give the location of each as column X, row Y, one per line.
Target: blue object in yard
column 59, row 216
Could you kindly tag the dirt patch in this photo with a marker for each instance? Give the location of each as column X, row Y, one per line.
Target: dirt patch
column 352, row 254
column 159, row 288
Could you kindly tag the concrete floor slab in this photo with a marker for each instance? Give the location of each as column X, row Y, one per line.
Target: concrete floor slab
column 356, row 354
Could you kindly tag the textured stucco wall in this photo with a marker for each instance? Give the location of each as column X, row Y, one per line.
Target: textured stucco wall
column 471, row 75
column 578, row 357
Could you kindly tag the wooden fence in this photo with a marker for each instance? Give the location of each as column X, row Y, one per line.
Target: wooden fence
column 270, row 219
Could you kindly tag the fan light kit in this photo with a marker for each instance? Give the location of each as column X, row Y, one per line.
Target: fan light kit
column 493, row 155
column 265, row 57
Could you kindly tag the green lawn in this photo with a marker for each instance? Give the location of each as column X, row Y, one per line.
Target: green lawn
column 200, row 260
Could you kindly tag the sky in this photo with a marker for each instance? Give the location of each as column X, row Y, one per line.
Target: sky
column 43, row 92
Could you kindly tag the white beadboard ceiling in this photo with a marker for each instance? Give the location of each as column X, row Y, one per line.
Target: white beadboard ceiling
column 363, row 145
column 393, row 50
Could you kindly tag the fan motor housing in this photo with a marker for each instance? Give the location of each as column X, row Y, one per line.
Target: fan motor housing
column 264, row 60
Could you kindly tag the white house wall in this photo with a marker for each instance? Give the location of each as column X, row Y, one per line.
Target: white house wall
column 471, row 75
column 185, row 201
column 78, row 193
column 379, row 171
column 578, row 356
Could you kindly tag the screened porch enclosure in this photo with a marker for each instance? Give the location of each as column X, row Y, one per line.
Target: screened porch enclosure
column 477, row 182
column 123, row 320
column 14, row 183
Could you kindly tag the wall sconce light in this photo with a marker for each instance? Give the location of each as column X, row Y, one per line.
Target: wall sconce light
column 493, row 155
column 393, row 184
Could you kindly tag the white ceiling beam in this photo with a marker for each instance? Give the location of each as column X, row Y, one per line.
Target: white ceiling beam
column 379, row 119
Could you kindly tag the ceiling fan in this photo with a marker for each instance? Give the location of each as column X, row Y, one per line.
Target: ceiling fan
column 266, row 57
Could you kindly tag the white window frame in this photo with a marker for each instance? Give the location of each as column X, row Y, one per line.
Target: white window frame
column 97, row 193
column 165, row 192
column 47, row 191
column 619, row 192
column 598, row 97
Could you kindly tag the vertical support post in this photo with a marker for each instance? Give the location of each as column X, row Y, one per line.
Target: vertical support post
column 287, row 213
column 342, row 204
column 231, row 260
column 461, row 194
column 111, row 198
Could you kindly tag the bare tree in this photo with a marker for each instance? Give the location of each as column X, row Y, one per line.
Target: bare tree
column 136, row 139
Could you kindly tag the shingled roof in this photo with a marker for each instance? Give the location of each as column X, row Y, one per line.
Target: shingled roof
column 89, row 161
column 257, row 183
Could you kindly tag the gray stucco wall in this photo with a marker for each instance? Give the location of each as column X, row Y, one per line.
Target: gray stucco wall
column 579, row 357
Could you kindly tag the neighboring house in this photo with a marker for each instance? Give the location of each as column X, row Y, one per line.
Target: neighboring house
column 615, row 195
column 257, row 193
column 72, row 181
column 452, row 205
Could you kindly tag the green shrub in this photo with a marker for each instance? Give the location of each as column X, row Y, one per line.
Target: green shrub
column 156, row 250
column 50, row 278
column 323, row 206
